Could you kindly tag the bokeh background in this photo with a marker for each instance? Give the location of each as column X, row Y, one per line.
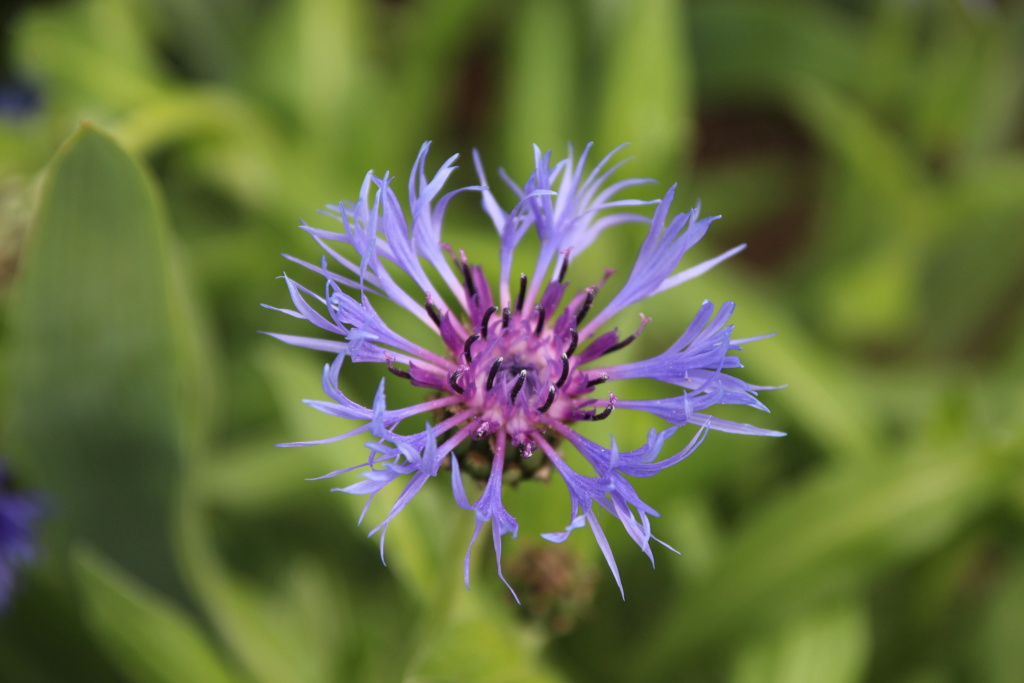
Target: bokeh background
column 871, row 154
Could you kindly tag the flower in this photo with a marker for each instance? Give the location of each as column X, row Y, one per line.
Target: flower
column 517, row 365
column 18, row 512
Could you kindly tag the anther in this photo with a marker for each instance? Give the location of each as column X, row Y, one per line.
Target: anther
column 466, row 347
column 628, row 340
column 518, row 386
column 433, row 312
column 522, row 292
column 468, row 277
column 585, row 308
column 495, row 366
column 573, row 343
column 565, row 370
column 599, row 380
column 564, row 269
column 594, row 417
column 486, row 321
column 505, row 315
column 395, row 371
column 540, row 319
column 547, row 404
column 453, row 381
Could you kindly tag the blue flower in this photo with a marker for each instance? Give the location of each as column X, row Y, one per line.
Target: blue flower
column 513, row 368
column 18, row 512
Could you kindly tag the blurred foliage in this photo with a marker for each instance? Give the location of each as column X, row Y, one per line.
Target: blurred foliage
column 870, row 153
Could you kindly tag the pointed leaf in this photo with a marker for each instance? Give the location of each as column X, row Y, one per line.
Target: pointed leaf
column 92, row 391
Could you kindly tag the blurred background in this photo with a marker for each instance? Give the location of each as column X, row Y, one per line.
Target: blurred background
column 871, row 154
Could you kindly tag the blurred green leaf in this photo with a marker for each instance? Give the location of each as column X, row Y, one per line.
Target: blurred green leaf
column 646, row 94
column 541, row 68
column 831, row 536
column 308, row 63
column 751, row 50
column 265, row 630
column 93, row 383
column 151, row 638
column 479, row 640
column 829, row 645
column 996, row 645
column 98, row 52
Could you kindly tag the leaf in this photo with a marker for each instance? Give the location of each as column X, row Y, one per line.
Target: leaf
column 647, row 97
column 92, row 391
column 478, row 640
column 834, row 535
column 150, row 637
column 542, row 67
column 830, row 645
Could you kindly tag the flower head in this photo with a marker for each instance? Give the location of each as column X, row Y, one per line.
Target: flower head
column 18, row 512
column 515, row 366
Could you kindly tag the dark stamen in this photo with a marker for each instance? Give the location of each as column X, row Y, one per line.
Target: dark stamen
column 565, row 370
column 400, row 373
column 547, row 404
column 564, row 269
column 453, row 381
column 595, row 416
column 573, row 343
column 468, row 277
column 495, row 366
column 433, row 312
column 466, row 347
column 540, row 319
column 600, row 380
column 505, row 315
column 486, row 320
column 522, row 292
column 624, row 343
column 518, row 386
column 585, row 308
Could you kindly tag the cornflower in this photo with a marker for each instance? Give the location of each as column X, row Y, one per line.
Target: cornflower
column 517, row 366
column 18, row 512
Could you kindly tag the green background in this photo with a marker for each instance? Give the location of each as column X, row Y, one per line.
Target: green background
column 871, row 154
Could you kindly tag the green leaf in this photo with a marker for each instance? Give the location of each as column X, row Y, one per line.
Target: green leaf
column 478, row 640
column 647, row 97
column 996, row 649
column 93, row 385
column 834, row 535
column 542, row 67
column 825, row 646
column 289, row 633
column 151, row 638
column 98, row 53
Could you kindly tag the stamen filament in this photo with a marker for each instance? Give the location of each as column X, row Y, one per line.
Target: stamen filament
column 469, row 343
column 433, row 312
column 574, row 342
column 547, row 404
column 468, row 277
column 486, row 320
column 395, row 371
column 522, row 292
column 453, row 381
column 518, row 386
column 495, row 366
column 585, row 308
column 565, row 370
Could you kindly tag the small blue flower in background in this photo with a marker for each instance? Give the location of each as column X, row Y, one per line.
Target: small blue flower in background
column 18, row 512
column 515, row 366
